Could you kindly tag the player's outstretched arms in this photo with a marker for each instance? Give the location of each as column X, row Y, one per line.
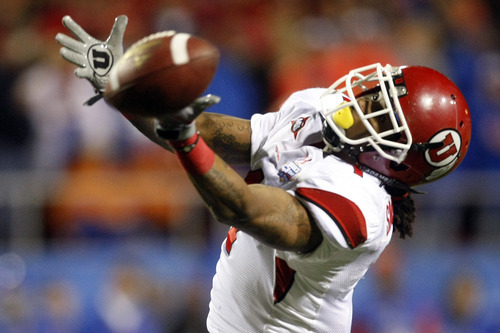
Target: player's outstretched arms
column 267, row 213
column 228, row 136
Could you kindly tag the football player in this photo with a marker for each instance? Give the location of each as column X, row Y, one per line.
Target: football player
column 332, row 175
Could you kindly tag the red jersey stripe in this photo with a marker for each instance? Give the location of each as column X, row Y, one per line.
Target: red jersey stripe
column 344, row 212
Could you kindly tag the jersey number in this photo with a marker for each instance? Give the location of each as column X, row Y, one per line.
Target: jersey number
column 389, row 215
column 284, row 274
column 231, row 238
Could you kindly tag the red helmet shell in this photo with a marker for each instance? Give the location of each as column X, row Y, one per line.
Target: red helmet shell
column 436, row 112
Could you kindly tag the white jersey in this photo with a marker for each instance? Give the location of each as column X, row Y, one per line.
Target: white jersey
column 260, row 289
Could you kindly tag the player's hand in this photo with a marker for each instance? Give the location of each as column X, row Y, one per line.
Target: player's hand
column 93, row 57
column 189, row 113
column 181, row 125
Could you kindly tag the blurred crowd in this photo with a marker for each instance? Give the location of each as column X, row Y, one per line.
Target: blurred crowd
column 77, row 174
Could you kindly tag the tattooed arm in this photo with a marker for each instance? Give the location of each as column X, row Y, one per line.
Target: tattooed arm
column 229, row 137
column 267, row 213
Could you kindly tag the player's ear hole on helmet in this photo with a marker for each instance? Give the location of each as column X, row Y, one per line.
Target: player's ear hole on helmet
column 398, row 167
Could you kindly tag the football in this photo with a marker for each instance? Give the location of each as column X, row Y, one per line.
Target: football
column 161, row 73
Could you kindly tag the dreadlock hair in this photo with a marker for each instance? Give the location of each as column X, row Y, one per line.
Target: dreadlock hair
column 404, row 212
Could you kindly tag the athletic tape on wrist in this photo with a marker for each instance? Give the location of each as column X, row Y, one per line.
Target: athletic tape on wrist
column 194, row 154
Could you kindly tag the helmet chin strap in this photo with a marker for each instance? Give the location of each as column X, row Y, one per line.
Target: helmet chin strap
column 350, row 154
column 335, row 145
column 394, row 185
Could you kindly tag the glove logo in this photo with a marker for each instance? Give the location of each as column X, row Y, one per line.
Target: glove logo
column 100, row 59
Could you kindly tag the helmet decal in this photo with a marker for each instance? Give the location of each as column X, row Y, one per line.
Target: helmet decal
column 443, row 158
column 448, row 153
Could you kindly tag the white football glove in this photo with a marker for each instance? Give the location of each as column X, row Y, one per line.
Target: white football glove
column 181, row 125
column 93, row 57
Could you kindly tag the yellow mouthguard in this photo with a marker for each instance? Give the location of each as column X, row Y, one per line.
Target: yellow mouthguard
column 343, row 118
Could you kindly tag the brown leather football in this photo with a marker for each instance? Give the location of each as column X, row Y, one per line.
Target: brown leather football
column 161, row 74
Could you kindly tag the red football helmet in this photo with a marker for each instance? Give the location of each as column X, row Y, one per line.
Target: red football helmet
column 417, row 125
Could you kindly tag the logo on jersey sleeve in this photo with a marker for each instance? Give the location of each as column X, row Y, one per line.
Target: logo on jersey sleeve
column 297, row 125
column 445, row 157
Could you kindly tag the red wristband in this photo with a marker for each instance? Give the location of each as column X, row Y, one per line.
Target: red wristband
column 129, row 116
column 194, row 154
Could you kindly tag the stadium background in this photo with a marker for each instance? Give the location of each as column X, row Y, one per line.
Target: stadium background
column 100, row 231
